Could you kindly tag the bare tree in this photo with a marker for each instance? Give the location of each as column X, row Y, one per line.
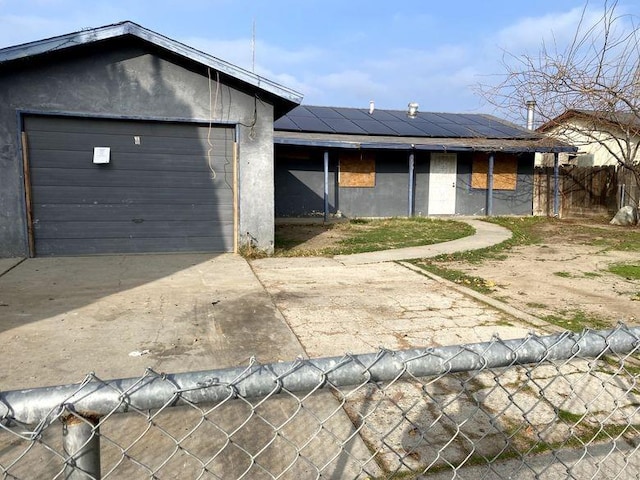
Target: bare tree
column 587, row 92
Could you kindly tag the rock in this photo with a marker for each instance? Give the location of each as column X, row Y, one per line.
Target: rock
column 627, row 215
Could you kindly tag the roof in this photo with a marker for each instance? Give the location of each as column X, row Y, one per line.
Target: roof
column 616, row 119
column 393, row 129
column 285, row 95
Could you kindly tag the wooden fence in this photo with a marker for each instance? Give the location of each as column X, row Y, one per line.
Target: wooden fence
column 583, row 191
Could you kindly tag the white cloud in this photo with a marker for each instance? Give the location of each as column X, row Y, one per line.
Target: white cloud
column 553, row 28
column 411, row 61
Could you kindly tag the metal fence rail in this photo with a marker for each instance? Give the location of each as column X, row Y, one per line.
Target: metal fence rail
column 560, row 406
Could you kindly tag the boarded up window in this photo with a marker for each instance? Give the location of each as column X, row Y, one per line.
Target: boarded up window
column 357, row 169
column 505, row 171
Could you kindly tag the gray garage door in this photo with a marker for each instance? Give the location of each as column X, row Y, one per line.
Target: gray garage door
column 166, row 188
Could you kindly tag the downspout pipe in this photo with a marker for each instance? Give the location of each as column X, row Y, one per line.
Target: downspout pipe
column 326, row 186
column 490, row 185
column 412, row 176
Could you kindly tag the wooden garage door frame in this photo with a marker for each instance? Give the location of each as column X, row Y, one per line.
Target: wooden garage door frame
column 214, row 191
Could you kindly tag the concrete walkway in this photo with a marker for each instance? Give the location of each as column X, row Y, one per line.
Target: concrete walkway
column 487, row 234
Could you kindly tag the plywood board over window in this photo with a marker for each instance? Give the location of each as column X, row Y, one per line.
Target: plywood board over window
column 357, row 169
column 505, row 171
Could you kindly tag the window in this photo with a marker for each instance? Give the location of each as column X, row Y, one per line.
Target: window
column 357, row 169
column 505, row 171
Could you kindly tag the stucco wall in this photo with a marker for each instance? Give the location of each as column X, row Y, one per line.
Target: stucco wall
column 131, row 81
column 300, row 183
column 473, row 201
column 599, row 144
column 388, row 198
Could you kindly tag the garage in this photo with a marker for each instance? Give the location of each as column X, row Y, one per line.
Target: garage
column 118, row 140
column 100, row 186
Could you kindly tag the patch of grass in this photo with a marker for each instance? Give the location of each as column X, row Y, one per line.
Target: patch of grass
column 364, row 235
column 562, row 274
column 400, row 232
column 524, row 230
column 476, row 283
column 577, row 321
column 592, row 274
column 623, row 240
column 630, row 271
column 537, row 305
column 568, row 417
column 250, row 252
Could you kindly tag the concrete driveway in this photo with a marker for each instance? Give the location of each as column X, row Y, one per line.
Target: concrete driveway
column 335, row 308
column 61, row 318
column 116, row 315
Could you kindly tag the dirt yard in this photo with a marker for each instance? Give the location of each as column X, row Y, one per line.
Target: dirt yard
column 564, row 280
column 564, row 275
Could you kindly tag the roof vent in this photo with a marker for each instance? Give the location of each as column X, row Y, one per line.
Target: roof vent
column 413, row 110
column 531, row 110
column 372, row 107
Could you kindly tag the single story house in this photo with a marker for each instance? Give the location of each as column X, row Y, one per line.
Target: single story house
column 601, row 138
column 382, row 163
column 120, row 140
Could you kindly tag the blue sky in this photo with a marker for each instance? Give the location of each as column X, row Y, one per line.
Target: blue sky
column 336, row 52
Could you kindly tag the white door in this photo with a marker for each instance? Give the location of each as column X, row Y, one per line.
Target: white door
column 442, row 184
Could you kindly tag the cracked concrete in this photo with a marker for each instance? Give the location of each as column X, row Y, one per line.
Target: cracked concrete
column 335, row 308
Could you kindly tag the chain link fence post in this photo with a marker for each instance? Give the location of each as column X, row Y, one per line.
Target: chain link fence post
column 81, row 443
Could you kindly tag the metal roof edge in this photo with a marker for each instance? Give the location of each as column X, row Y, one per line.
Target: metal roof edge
column 315, row 143
column 434, row 147
column 107, row 32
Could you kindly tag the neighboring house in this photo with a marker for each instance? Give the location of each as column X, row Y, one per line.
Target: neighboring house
column 381, row 163
column 599, row 137
column 118, row 139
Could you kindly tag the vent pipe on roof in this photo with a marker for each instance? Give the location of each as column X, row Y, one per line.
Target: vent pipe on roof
column 372, row 107
column 413, row 110
column 531, row 107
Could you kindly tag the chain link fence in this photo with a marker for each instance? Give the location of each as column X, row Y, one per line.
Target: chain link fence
column 560, row 406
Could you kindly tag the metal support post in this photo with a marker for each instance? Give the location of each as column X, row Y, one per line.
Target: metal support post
column 81, row 443
column 411, row 182
column 326, row 186
column 490, row 186
column 556, row 185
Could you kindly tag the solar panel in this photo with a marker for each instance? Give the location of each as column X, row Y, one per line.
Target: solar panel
column 355, row 121
column 285, row 123
column 512, row 132
column 312, row 124
column 384, row 115
column 509, row 130
column 459, row 130
column 470, row 119
column 301, row 111
column 437, row 118
column 373, row 127
column 342, row 125
column 488, row 131
column 433, row 129
column 404, row 128
column 353, row 113
column 325, row 112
